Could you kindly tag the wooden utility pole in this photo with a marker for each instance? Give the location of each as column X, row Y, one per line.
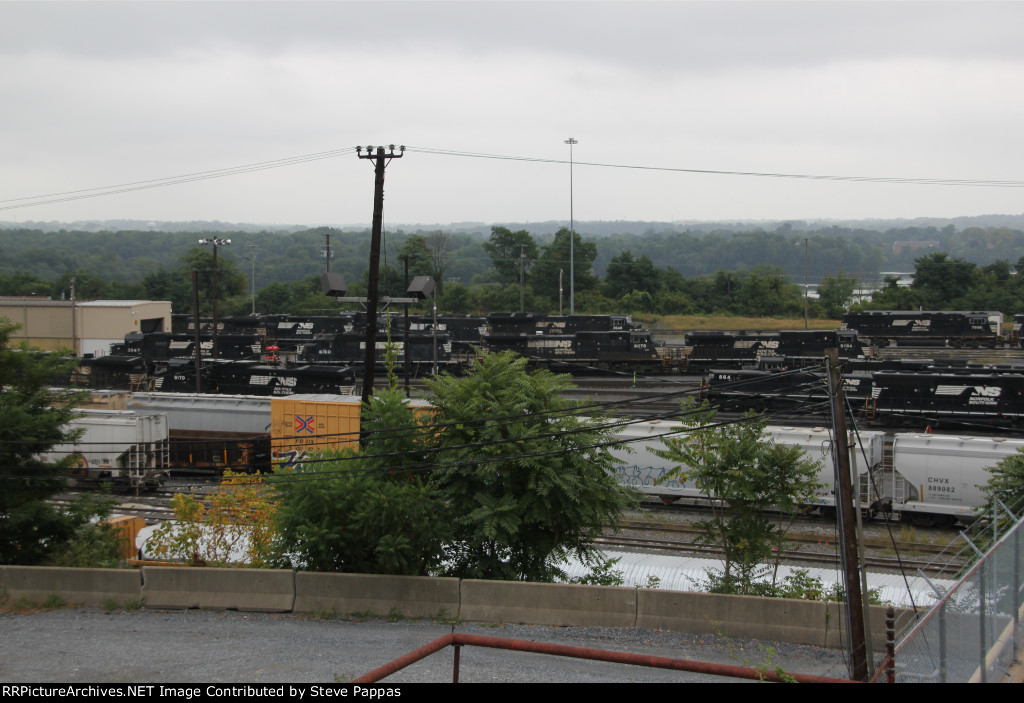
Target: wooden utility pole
column 406, row 363
column 522, row 277
column 845, row 507
column 252, row 279
column 380, row 162
column 195, row 317
column 74, row 320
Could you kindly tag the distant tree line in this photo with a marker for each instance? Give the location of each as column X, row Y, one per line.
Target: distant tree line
column 749, row 273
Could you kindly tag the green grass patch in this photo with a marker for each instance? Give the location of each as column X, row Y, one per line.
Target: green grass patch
column 728, row 322
column 26, row 606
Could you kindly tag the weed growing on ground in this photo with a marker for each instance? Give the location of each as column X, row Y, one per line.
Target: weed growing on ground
column 764, row 665
column 26, row 606
column 132, row 604
column 443, row 617
column 653, row 582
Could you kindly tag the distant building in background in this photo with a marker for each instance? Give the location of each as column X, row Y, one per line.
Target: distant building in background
column 900, row 247
column 89, row 328
column 867, row 289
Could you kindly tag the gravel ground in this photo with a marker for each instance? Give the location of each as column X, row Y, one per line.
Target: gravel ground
column 89, row 645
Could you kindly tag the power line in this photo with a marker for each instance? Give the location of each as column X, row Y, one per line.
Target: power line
column 85, row 193
column 757, row 174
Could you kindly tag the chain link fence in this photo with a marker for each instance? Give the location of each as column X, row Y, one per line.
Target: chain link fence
column 972, row 631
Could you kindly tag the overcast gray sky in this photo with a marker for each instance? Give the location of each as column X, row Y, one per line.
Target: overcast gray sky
column 98, row 94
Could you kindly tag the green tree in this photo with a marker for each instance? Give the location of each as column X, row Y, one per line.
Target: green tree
column 556, row 256
column 421, row 262
column 166, row 284
column 626, row 274
column 504, row 248
column 764, row 292
column 88, row 286
column 893, row 296
column 749, row 476
column 940, row 280
column 440, row 244
column 836, row 294
column 374, row 512
column 1006, row 483
column 23, row 283
column 524, row 479
column 234, row 522
column 33, row 418
column 456, row 299
column 95, row 544
column 230, row 281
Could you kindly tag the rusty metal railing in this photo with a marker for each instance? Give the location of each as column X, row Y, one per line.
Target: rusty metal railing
column 458, row 641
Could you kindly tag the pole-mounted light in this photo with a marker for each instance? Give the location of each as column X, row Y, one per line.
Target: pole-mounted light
column 216, row 242
column 572, row 236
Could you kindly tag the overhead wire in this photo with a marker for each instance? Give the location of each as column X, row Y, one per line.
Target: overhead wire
column 85, row 193
column 101, row 191
column 992, row 183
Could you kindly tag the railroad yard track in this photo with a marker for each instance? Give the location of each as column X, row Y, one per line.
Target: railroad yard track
column 810, row 541
column 808, row 544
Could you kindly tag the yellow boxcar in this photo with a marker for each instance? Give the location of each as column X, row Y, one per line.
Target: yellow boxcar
column 127, row 528
column 303, row 424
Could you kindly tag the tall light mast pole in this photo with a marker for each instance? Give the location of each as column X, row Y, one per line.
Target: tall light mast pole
column 805, row 283
column 572, row 236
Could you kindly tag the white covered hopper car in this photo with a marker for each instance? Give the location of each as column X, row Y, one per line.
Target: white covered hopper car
column 128, row 450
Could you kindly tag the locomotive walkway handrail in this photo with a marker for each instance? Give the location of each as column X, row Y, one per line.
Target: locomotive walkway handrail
column 458, row 640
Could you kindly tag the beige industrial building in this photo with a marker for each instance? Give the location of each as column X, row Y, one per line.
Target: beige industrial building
column 87, row 328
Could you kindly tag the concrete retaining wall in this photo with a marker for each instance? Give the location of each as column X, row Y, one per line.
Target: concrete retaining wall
column 220, row 589
column 409, row 596
column 548, row 603
column 782, row 619
column 801, row 622
column 81, row 586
